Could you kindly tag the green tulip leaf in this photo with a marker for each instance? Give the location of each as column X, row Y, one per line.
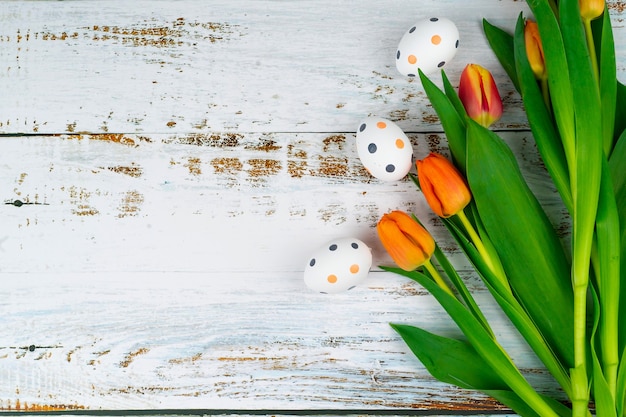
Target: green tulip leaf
column 451, row 122
column 608, row 86
column 513, row 310
column 510, row 399
column 617, row 162
column 450, row 360
column 542, row 125
column 544, row 132
column 556, row 63
column 527, row 244
column 603, row 397
column 608, row 278
column 620, row 118
column 458, row 283
column 501, row 44
column 588, row 123
column 486, row 347
column 618, row 176
column 620, row 396
column 456, row 362
column 453, row 96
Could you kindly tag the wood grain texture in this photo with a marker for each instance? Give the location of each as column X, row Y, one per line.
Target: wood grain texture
column 167, row 167
column 259, row 66
column 244, row 202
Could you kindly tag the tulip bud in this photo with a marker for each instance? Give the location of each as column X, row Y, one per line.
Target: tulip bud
column 479, row 95
column 443, row 186
column 534, row 49
column 591, row 9
column 406, row 241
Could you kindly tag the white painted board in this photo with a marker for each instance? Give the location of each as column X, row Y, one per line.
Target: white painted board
column 167, row 167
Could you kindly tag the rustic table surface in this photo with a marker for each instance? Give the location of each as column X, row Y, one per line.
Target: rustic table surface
column 167, row 167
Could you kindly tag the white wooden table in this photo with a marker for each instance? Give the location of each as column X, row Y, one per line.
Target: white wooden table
column 167, row 167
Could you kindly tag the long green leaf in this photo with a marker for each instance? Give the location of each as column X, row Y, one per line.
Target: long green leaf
column 528, row 245
column 585, row 183
column 452, row 123
column 501, row 44
column 559, row 82
column 605, row 406
column 480, row 265
column 618, row 176
column 450, row 360
column 620, row 397
column 608, row 85
column 453, row 96
column 456, row 362
column 620, row 115
column 486, row 347
column 546, row 137
column 608, row 278
column 513, row 310
column 458, row 283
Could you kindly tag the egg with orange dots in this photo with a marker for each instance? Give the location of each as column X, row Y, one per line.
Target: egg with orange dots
column 383, row 148
column 428, row 45
column 338, row 265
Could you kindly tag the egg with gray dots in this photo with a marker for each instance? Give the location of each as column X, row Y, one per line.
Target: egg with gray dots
column 338, row 265
column 383, row 148
column 428, row 45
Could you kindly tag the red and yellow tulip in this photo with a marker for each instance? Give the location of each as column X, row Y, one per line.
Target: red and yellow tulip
column 479, row 95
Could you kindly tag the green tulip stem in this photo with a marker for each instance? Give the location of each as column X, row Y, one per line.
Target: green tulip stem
column 437, row 277
column 493, row 265
column 578, row 374
column 592, row 48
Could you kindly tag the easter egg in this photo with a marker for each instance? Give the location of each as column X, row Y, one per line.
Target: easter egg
column 383, row 148
column 428, row 45
column 339, row 265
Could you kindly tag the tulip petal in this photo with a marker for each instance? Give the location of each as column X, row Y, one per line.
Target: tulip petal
column 406, row 241
column 443, row 186
column 479, row 94
column 534, row 49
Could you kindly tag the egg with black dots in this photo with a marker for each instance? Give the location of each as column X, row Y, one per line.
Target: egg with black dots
column 384, row 149
column 428, row 45
column 339, row 265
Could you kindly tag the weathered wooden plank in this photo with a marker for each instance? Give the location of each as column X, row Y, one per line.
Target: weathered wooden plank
column 262, row 66
column 151, row 256
column 231, row 202
column 190, row 293
column 234, row 341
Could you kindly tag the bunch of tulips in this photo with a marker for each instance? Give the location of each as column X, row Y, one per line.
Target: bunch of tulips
column 564, row 295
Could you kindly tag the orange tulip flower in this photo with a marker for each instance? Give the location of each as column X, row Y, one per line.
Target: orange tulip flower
column 479, row 95
column 534, row 49
column 443, row 186
column 406, row 241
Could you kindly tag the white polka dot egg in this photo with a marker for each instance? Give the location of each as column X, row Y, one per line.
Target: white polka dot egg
column 384, row 149
column 337, row 266
column 428, row 45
